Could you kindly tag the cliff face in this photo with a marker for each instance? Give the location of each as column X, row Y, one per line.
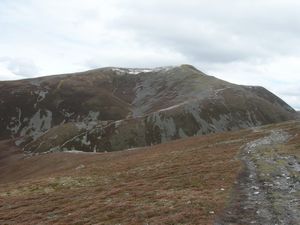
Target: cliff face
column 114, row 108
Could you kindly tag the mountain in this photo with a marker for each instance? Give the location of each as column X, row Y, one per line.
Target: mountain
column 111, row 108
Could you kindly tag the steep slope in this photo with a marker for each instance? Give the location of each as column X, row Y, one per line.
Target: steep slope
column 240, row 177
column 115, row 108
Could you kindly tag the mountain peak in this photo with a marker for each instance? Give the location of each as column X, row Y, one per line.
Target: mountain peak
column 135, row 71
column 116, row 108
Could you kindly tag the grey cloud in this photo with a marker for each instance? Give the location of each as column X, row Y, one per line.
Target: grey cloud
column 293, row 101
column 287, row 92
column 211, row 31
column 20, row 66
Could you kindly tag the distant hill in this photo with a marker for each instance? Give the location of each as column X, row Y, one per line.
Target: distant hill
column 111, row 109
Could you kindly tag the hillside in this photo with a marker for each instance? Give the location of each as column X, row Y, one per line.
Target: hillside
column 116, row 108
column 227, row 178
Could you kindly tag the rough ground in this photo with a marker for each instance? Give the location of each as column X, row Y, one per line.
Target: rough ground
column 245, row 177
column 268, row 190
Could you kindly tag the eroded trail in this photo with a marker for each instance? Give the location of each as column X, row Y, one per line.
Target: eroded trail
column 268, row 191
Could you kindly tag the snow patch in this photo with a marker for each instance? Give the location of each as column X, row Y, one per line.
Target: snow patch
column 67, row 114
column 135, row 71
column 38, row 124
column 89, row 122
column 194, row 109
column 79, row 152
column 85, row 141
column 118, row 123
column 35, row 82
column 181, row 133
column 41, row 95
column 167, row 126
column 15, row 122
column 19, row 142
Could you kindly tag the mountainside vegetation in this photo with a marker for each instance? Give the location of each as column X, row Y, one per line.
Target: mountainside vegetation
column 243, row 177
column 116, row 108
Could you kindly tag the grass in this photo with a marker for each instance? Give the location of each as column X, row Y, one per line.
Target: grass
column 181, row 182
column 187, row 181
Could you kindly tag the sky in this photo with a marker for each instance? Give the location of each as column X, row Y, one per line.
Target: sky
column 250, row 42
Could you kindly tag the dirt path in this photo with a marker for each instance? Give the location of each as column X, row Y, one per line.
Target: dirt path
column 268, row 191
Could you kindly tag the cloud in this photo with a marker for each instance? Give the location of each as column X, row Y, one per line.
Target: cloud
column 20, row 66
column 5, row 74
column 17, row 68
column 216, row 32
column 247, row 42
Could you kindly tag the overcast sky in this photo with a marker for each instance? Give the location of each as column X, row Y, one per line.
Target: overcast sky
column 255, row 42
